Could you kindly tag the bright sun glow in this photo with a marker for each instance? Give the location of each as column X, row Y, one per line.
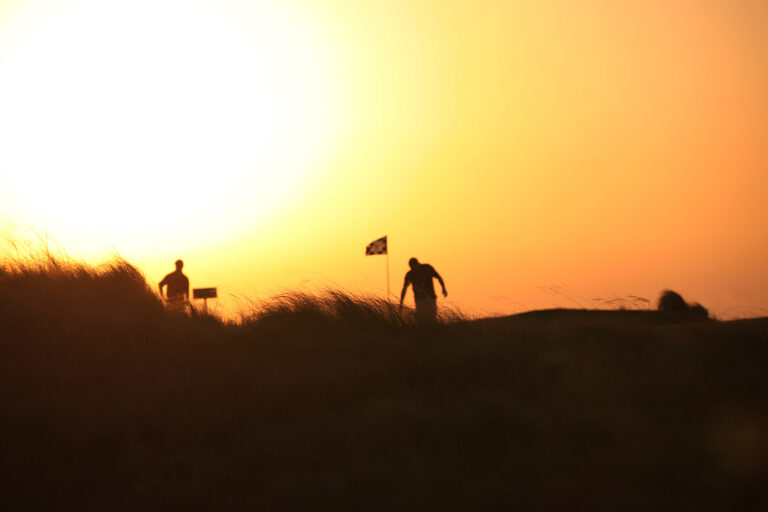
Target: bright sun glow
column 126, row 121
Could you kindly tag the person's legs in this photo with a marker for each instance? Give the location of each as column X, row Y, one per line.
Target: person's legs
column 177, row 304
column 426, row 309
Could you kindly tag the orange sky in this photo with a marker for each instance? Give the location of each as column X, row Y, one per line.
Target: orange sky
column 603, row 147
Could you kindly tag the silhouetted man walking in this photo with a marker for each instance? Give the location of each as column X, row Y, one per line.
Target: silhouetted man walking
column 177, row 292
column 420, row 277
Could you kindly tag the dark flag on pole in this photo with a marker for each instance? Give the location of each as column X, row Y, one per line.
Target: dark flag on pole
column 377, row 247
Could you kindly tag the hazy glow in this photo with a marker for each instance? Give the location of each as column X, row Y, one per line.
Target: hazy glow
column 143, row 121
column 606, row 147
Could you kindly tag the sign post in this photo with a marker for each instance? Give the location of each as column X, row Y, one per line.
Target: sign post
column 205, row 294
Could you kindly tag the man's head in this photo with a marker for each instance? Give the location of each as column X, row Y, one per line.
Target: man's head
column 413, row 262
column 179, row 265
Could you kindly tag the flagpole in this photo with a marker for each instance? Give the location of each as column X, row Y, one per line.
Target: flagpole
column 380, row 246
column 388, row 294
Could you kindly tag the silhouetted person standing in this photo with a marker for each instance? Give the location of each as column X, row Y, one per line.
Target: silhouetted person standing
column 420, row 277
column 177, row 292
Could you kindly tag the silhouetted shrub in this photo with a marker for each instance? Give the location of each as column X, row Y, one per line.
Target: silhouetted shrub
column 673, row 302
column 699, row 310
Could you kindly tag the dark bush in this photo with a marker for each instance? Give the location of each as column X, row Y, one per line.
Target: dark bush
column 673, row 302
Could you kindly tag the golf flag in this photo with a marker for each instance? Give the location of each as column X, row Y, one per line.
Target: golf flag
column 377, row 247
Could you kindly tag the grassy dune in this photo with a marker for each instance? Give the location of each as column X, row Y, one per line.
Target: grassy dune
column 339, row 403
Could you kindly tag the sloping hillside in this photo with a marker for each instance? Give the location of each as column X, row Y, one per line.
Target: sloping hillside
column 338, row 403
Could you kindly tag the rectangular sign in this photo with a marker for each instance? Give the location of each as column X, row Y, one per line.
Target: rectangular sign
column 204, row 293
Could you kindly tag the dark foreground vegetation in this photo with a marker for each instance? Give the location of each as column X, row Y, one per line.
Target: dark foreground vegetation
column 107, row 402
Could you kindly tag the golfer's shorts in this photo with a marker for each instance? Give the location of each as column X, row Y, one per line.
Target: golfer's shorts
column 426, row 308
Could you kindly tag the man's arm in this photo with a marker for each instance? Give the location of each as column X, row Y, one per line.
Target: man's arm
column 405, row 288
column 160, row 285
column 445, row 292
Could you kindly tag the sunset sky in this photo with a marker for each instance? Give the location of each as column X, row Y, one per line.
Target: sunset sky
column 537, row 153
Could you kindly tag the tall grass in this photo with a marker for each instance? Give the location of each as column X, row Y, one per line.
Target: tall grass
column 337, row 402
column 335, row 307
